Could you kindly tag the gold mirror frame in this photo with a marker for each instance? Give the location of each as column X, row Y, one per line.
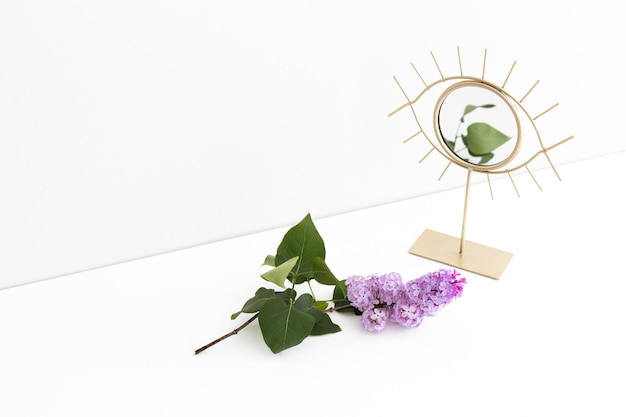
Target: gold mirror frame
column 472, row 82
column 450, row 250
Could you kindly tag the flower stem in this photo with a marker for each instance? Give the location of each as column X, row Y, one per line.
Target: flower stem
column 227, row 335
column 331, row 309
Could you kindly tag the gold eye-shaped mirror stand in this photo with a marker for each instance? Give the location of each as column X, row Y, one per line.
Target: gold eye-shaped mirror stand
column 476, row 126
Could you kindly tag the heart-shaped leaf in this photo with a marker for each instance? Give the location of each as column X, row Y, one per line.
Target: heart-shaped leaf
column 485, row 158
column 482, row 139
column 261, row 296
column 255, row 303
column 283, row 325
column 304, row 241
column 323, row 274
column 323, row 323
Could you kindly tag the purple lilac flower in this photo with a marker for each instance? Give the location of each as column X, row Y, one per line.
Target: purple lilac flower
column 406, row 313
column 361, row 292
column 375, row 319
column 383, row 298
column 434, row 290
column 390, row 287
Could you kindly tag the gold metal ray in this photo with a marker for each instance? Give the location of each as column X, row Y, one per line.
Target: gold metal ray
column 420, row 76
column 484, row 63
column 528, row 92
column 545, row 152
column 426, row 156
column 513, row 182
column 444, row 171
column 533, row 177
column 411, row 137
column 403, row 93
column 437, row 65
column 509, row 74
column 545, row 111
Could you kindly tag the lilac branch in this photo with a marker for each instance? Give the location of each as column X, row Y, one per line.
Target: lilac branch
column 227, row 335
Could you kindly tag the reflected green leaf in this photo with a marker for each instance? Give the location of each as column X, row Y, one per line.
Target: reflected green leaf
column 470, row 108
column 482, row 139
column 485, row 158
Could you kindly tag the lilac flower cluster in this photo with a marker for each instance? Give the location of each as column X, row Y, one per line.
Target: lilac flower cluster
column 385, row 298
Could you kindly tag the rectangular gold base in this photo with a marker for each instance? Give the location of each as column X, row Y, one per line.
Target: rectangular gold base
column 477, row 258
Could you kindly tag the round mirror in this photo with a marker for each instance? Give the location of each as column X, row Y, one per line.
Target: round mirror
column 477, row 124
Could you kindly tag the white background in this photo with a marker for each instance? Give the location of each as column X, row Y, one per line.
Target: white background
column 544, row 340
column 130, row 128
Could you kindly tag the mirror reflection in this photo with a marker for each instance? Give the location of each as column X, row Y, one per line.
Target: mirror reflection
column 477, row 125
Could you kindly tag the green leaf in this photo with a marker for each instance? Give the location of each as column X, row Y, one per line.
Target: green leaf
column 323, row 323
column 283, row 325
column 279, row 274
column 485, row 158
column 261, row 296
column 322, row 274
column 255, row 303
column 450, row 144
column 320, row 305
column 341, row 299
column 286, row 295
column 470, row 108
column 270, row 260
column 483, row 139
column 304, row 241
column 305, row 303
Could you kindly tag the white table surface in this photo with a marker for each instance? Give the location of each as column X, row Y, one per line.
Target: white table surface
column 546, row 339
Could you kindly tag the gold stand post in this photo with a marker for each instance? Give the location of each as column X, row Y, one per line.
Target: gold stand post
column 460, row 253
column 467, row 188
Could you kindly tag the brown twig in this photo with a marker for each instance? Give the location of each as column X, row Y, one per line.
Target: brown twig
column 238, row 329
column 227, row 335
column 331, row 309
